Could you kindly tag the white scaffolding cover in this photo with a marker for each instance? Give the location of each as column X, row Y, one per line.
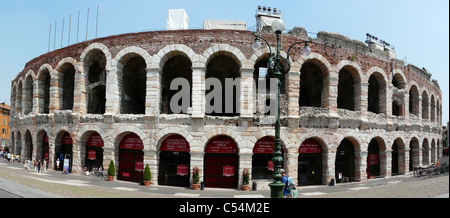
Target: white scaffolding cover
column 224, row 25
column 177, row 19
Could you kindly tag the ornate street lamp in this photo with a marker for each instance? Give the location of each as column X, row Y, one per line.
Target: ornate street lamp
column 274, row 63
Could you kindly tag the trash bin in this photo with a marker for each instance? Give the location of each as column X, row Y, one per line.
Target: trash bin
column 141, row 181
column 254, row 186
column 202, row 186
column 332, row 182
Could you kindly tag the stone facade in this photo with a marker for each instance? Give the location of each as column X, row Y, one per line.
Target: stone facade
column 46, row 99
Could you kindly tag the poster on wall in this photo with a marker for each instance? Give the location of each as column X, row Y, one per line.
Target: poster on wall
column 182, row 170
column 228, row 171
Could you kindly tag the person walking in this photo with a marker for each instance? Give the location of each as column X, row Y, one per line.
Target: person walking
column 25, row 165
column 286, row 180
column 38, row 166
column 44, row 166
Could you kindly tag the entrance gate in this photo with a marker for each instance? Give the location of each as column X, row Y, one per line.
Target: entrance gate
column 221, row 163
column 310, row 163
column 174, row 162
column 131, row 158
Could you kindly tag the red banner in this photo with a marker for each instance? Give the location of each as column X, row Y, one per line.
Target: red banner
column 92, row 155
column 95, row 140
column 270, row 165
column 131, row 141
column 310, row 146
column 67, row 139
column 182, row 170
column 264, row 145
column 175, row 143
column 228, row 171
column 139, row 166
column 221, row 144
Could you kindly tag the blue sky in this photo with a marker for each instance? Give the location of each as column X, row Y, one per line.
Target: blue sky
column 419, row 30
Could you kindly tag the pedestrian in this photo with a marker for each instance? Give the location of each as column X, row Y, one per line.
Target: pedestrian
column 25, row 165
column 294, row 191
column 38, row 166
column 286, row 180
column 57, row 164
column 44, row 166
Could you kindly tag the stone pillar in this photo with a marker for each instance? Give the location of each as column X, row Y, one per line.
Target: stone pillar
column 246, row 95
column 198, row 90
column 197, row 160
column 153, row 94
column 245, row 162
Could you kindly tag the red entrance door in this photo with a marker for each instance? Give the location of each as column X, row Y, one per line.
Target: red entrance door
column 221, row 163
column 131, row 158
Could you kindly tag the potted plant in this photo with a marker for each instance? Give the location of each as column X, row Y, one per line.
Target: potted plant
column 147, row 176
column 195, row 178
column 245, row 180
column 111, row 171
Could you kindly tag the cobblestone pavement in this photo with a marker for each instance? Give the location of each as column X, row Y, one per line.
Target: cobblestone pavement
column 14, row 181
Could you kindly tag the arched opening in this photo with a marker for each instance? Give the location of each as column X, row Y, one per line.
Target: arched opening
column 375, row 90
column 67, row 84
column 310, row 163
column 44, row 91
column 373, row 159
column 425, row 106
column 433, row 109
column 222, row 99
column 64, row 152
column 131, row 158
column 221, row 163
column 414, row 103
column 177, row 67
column 96, row 85
column 262, row 165
column 93, row 158
column 311, row 85
column 262, row 76
column 413, row 153
column 395, row 159
column 425, row 152
column 28, row 95
column 133, row 86
column 174, row 162
column 345, row 162
column 346, row 90
column 28, row 155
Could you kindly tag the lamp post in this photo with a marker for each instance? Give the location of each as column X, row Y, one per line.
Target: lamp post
column 274, row 63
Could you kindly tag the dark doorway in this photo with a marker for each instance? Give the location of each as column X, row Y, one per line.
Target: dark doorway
column 345, row 162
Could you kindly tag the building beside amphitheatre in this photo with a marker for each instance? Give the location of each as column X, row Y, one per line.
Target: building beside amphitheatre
column 350, row 110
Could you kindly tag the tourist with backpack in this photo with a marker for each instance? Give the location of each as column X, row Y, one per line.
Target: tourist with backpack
column 286, row 180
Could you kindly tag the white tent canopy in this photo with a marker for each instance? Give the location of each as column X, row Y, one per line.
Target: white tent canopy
column 177, row 19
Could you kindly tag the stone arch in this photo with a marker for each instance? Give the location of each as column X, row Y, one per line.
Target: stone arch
column 27, row 99
column 314, row 81
column 399, row 79
column 414, row 99
column 131, row 66
column 175, row 61
column 377, row 90
column 349, row 85
column 43, row 87
column 162, row 134
column 66, row 71
column 95, row 61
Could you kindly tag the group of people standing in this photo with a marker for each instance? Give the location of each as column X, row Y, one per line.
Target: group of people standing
column 29, row 164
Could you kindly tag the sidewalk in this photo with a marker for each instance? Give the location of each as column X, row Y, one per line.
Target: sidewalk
column 93, row 187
